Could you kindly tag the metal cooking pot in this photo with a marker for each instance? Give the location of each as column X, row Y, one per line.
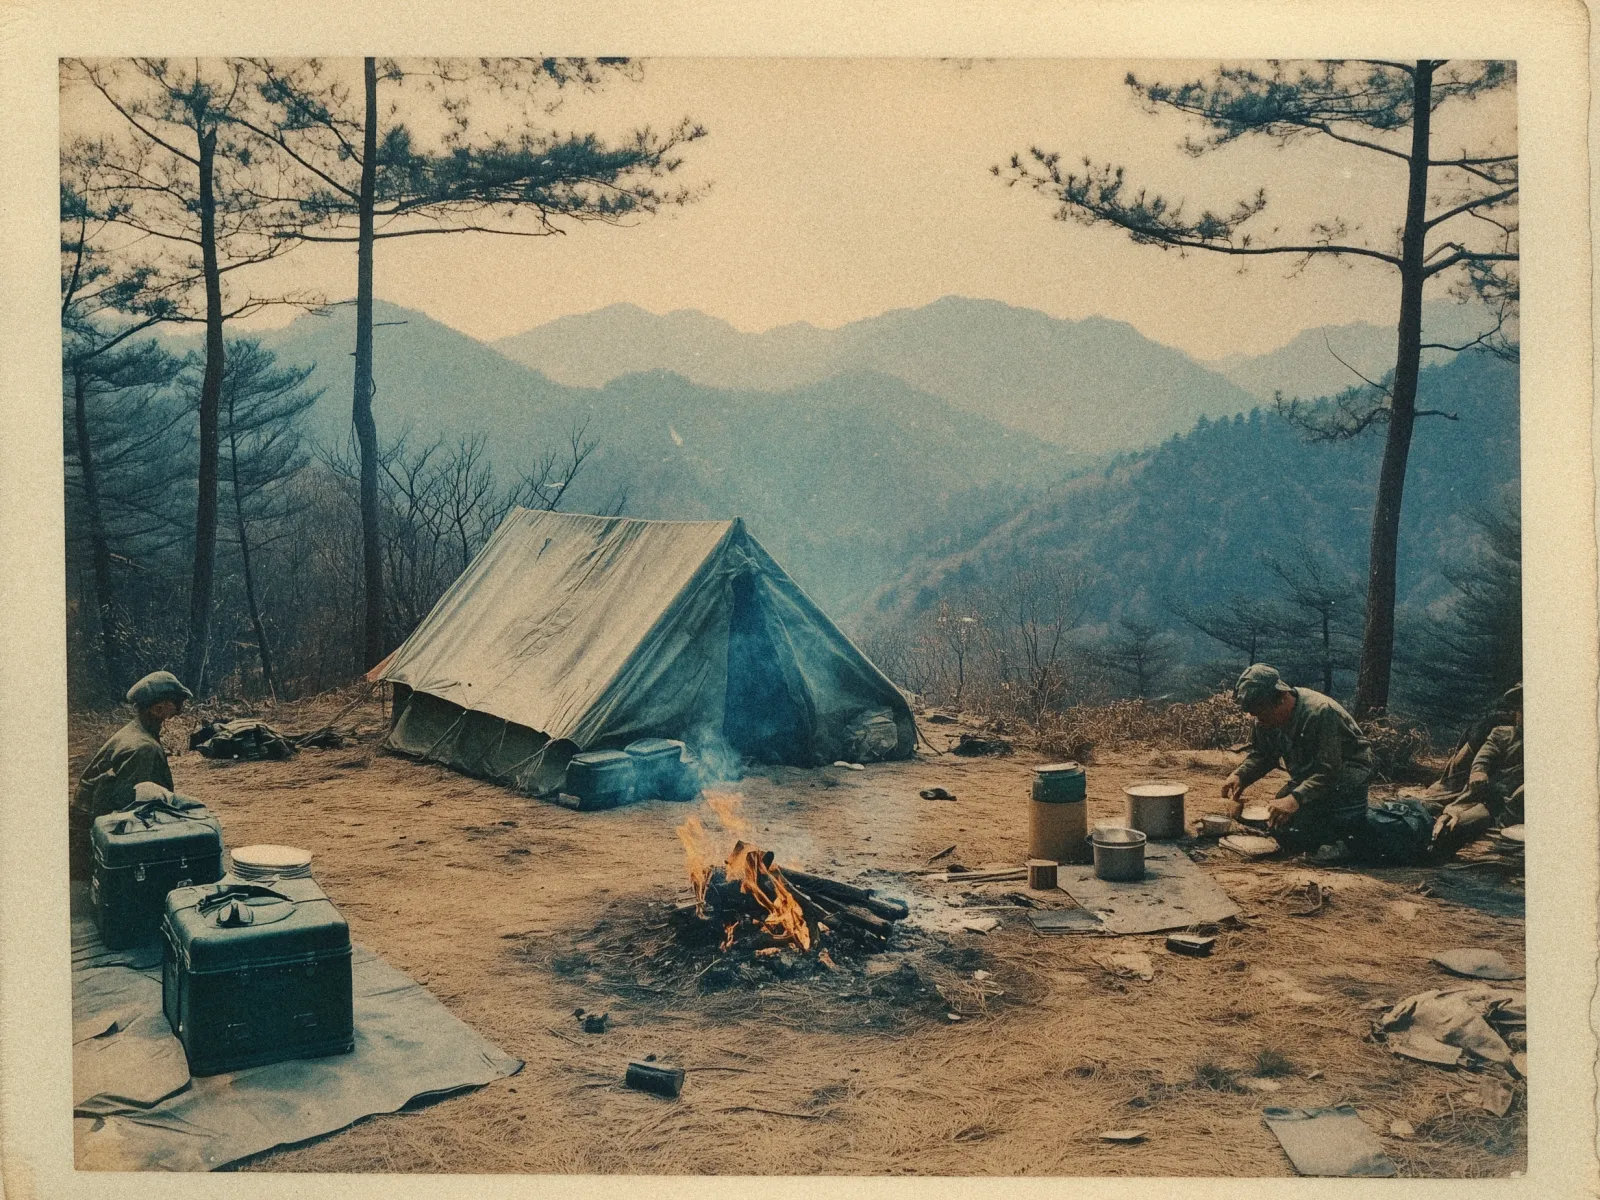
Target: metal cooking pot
column 1156, row 809
column 1118, row 853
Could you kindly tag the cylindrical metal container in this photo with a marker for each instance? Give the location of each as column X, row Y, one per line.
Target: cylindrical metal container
column 1118, row 854
column 1156, row 809
column 1041, row 875
column 1058, row 818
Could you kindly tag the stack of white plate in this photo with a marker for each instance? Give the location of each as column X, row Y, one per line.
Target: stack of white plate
column 270, row 862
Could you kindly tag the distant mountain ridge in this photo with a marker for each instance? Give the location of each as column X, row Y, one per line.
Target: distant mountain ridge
column 1309, row 366
column 1094, row 385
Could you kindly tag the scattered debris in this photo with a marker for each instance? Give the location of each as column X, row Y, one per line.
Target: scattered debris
column 1192, row 944
column 945, row 853
column 849, row 766
column 1439, row 1026
column 1307, row 899
column 1495, row 1095
column 1402, row 1129
column 980, row 975
column 952, row 1017
column 981, row 925
column 593, row 1023
column 1129, row 964
column 970, row 745
column 663, row 1081
column 936, row 793
column 1249, row 845
column 1125, row 1136
column 1476, row 964
column 1065, row 920
column 1328, row 1142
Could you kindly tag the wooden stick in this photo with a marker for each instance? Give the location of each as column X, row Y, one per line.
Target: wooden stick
column 978, row 876
column 888, row 910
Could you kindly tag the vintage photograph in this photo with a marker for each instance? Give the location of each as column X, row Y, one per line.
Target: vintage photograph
column 795, row 616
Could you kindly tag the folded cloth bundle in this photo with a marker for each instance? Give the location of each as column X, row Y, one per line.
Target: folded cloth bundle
column 1441, row 1026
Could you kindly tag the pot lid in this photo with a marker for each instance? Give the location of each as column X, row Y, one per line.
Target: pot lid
column 1156, row 789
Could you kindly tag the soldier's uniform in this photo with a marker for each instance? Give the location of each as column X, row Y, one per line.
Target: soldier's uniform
column 1497, row 770
column 1329, row 762
column 131, row 756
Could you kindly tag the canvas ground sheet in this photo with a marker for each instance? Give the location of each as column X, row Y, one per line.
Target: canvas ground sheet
column 136, row 1107
column 1173, row 894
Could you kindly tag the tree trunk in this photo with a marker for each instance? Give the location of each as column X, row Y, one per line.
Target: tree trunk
column 205, row 521
column 1327, row 655
column 244, row 560
column 372, row 640
column 1377, row 638
column 99, row 543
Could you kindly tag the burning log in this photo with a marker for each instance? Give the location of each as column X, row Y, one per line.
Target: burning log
column 888, row 910
column 750, row 902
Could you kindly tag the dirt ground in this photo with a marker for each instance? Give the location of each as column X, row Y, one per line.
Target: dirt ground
column 517, row 913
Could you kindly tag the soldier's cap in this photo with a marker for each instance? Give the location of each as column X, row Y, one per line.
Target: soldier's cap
column 1258, row 687
column 156, row 687
column 1512, row 700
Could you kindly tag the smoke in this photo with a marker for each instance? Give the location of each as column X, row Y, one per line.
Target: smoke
column 717, row 762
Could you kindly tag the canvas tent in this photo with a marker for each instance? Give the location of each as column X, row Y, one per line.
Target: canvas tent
column 571, row 633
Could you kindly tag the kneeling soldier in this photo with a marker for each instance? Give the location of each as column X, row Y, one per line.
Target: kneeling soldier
column 1328, row 758
column 132, row 755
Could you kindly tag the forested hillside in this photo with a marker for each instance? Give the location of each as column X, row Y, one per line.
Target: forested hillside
column 1186, row 534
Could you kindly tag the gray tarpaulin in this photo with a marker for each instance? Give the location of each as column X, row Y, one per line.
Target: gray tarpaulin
column 1173, row 894
column 571, row 633
column 136, row 1107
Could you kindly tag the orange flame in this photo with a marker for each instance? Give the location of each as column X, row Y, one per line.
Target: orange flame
column 783, row 919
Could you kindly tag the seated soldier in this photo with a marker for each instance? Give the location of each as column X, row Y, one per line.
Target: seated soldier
column 131, row 756
column 1453, row 781
column 1328, row 758
column 1493, row 793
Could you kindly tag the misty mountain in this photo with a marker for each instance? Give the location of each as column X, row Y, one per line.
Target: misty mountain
column 1094, row 385
column 1188, row 522
column 1309, row 366
column 826, row 474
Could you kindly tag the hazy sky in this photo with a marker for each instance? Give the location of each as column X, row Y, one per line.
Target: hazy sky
column 841, row 188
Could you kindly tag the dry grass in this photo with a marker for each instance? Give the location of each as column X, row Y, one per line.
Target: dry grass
column 411, row 855
column 1212, row 724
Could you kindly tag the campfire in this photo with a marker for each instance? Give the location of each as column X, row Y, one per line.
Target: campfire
column 747, row 901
